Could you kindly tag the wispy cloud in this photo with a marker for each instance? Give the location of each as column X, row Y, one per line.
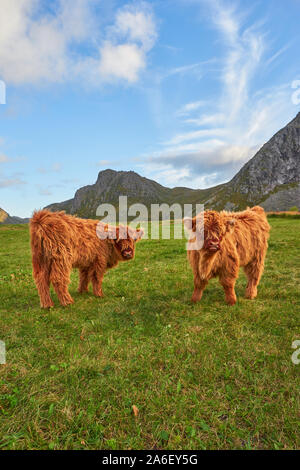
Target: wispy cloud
column 55, row 168
column 187, row 108
column 10, row 182
column 245, row 48
column 108, row 163
column 43, row 190
column 229, row 129
column 14, row 179
column 197, row 69
column 277, row 54
column 188, row 136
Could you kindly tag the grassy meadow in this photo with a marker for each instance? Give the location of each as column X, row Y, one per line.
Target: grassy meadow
column 203, row 376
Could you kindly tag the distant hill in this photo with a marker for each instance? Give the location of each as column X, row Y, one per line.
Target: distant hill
column 111, row 184
column 271, row 178
column 5, row 218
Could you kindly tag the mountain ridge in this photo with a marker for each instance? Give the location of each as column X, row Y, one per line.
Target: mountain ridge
column 5, row 218
column 270, row 178
column 111, row 184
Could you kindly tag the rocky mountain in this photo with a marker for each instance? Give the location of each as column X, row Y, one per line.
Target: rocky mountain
column 5, row 218
column 271, row 178
column 111, row 184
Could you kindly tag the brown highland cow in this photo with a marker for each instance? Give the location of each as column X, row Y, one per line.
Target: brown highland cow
column 60, row 242
column 231, row 240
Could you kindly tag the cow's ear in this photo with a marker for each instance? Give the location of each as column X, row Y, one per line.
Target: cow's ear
column 138, row 234
column 121, row 233
column 230, row 225
column 105, row 231
column 189, row 224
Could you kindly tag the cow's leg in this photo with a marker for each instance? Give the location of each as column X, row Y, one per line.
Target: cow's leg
column 253, row 272
column 60, row 278
column 97, row 278
column 228, row 283
column 42, row 280
column 83, row 280
column 199, row 286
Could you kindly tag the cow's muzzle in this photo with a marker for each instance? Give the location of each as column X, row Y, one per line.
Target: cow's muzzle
column 212, row 246
column 127, row 254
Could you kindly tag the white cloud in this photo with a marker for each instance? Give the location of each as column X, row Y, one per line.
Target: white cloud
column 212, row 162
column 38, row 47
column 137, row 23
column 225, row 20
column 121, row 61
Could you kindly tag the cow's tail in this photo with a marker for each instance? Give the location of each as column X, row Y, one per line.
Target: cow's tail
column 39, row 239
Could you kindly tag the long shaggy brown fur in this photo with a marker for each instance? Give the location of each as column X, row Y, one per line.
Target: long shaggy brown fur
column 60, row 242
column 231, row 240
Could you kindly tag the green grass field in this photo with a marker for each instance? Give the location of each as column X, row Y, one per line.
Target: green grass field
column 202, row 376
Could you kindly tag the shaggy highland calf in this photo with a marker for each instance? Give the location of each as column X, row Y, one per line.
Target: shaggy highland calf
column 231, row 240
column 60, row 242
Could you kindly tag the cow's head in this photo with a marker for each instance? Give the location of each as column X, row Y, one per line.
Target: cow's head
column 122, row 238
column 213, row 227
column 125, row 241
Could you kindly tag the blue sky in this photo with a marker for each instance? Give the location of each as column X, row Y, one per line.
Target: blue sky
column 181, row 91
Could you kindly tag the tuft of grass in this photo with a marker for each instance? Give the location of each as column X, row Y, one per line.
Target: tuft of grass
column 202, row 376
column 284, row 215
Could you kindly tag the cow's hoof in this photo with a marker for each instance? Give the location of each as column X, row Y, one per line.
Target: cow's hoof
column 67, row 302
column 48, row 305
column 251, row 295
